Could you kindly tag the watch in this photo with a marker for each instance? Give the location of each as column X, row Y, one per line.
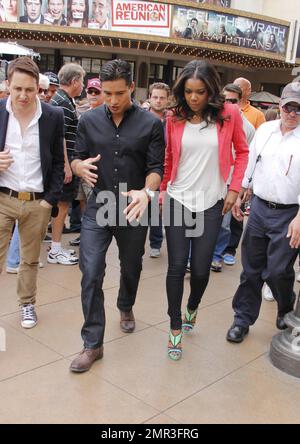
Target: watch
column 150, row 193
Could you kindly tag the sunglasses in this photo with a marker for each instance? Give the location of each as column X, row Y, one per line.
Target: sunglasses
column 93, row 91
column 290, row 108
column 233, row 101
column 41, row 91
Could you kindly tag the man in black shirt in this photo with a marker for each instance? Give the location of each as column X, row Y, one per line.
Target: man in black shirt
column 117, row 143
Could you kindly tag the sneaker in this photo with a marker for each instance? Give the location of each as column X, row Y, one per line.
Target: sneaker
column 75, row 242
column 62, row 257
column 47, row 238
column 15, row 270
column 216, row 266
column 67, row 251
column 12, row 270
column 267, row 293
column 154, row 252
column 229, row 259
column 29, row 318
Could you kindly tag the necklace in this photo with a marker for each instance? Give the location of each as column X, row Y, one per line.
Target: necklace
column 196, row 119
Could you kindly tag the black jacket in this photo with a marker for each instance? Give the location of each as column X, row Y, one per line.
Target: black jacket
column 51, row 134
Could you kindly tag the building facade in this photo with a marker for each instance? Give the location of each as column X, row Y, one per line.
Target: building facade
column 241, row 37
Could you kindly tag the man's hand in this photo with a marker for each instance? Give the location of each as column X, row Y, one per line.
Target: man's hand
column 230, row 200
column 45, row 204
column 85, row 168
column 236, row 210
column 137, row 206
column 6, row 160
column 294, row 232
column 68, row 173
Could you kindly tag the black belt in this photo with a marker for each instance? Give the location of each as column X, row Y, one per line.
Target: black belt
column 22, row 195
column 277, row 206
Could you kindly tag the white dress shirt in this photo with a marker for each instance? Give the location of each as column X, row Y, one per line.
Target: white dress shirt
column 25, row 173
column 274, row 164
column 198, row 184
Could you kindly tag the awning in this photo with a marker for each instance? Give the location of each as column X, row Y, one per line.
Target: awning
column 264, row 96
column 14, row 49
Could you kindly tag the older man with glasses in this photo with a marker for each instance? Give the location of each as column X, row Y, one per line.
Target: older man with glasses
column 272, row 237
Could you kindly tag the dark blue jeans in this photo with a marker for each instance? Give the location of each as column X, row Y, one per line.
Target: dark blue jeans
column 156, row 235
column 94, row 243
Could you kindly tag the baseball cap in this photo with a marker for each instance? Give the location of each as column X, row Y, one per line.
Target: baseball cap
column 94, row 83
column 53, row 78
column 291, row 93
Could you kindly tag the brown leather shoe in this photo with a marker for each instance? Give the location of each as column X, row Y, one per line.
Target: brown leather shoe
column 85, row 359
column 127, row 322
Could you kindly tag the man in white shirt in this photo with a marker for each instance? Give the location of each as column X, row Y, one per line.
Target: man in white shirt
column 31, row 174
column 272, row 236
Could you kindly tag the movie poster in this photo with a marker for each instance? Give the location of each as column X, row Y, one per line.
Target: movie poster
column 100, row 14
column 227, row 29
column 141, row 17
column 43, row 12
column 9, row 10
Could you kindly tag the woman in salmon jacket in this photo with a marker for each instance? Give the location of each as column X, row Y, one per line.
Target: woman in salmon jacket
column 201, row 131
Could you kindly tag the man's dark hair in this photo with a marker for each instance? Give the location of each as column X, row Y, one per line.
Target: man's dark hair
column 194, row 20
column 24, row 65
column 231, row 87
column 116, row 70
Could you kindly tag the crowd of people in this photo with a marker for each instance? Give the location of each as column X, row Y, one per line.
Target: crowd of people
column 178, row 162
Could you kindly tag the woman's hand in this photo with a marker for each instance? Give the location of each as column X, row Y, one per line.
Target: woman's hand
column 230, row 200
column 236, row 210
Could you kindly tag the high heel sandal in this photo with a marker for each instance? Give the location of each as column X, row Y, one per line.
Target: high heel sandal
column 175, row 350
column 189, row 320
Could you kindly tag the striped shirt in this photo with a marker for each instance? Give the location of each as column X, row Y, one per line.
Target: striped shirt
column 62, row 99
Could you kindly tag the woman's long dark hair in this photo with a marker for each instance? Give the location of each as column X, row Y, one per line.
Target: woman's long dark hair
column 206, row 72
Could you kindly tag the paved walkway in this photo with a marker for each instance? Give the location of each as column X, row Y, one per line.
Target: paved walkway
column 215, row 382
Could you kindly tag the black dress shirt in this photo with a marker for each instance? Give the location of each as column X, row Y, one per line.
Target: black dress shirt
column 129, row 152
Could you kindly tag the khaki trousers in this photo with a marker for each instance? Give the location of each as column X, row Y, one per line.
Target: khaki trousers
column 32, row 224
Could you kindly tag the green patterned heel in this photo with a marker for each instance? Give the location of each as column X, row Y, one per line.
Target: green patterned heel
column 189, row 320
column 175, row 350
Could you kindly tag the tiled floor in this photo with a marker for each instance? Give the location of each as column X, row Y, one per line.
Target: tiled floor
column 215, row 382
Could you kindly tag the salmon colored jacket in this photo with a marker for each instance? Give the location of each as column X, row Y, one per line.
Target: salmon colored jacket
column 230, row 134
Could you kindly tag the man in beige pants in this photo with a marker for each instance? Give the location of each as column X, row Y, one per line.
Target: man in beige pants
column 31, row 174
